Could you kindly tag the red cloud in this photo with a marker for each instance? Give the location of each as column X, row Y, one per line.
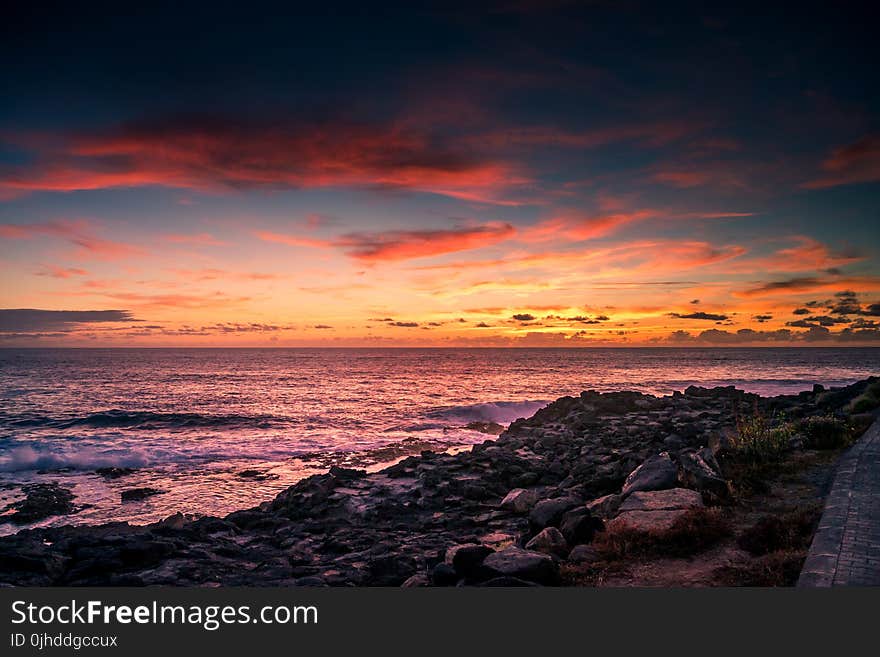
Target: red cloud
column 214, row 154
column 401, row 244
column 854, row 163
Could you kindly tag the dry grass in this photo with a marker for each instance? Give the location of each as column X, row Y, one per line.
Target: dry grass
column 780, row 568
column 791, row 531
column 696, row 531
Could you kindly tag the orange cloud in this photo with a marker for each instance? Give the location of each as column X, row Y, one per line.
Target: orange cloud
column 403, row 245
column 76, row 232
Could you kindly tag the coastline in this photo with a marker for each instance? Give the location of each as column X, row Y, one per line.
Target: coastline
column 527, row 508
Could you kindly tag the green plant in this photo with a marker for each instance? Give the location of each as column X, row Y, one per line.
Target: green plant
column 826, row 432
column 761, row 440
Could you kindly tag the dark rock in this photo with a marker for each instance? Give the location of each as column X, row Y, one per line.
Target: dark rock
column 519, row 500
column 523, row 564
column 492, row 428
column 138, row 494
column 656, row 473
column 467, row 559
column 605, row 506
column 584, row 554
column 548, row 513
column 115, row 473
column 549, row 541
column 579, row 525
column 41, row 501
column 444, row 574
column 696, row 472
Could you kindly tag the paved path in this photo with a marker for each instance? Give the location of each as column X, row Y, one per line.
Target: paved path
column 846, row 548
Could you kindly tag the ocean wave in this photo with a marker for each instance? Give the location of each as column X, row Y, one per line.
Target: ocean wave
column 502, row 412
column 121, row 419
column 27, row 458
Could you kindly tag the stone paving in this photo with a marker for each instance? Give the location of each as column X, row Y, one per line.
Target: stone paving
column 846, row 548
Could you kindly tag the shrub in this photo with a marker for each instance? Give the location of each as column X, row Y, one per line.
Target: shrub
column 759, row 439
column 868, row 400
column 694, row 532
column 790, row 531
column 826, row 432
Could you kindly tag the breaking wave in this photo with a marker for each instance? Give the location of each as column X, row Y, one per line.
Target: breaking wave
column 502, row 412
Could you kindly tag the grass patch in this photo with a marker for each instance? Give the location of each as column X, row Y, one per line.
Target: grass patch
column 760, row 439
column 788, row 532
column 694, row 532
column 780, row 568
column 826, row 432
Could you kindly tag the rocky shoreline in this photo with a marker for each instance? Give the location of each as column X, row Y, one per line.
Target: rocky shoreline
column 516, row 510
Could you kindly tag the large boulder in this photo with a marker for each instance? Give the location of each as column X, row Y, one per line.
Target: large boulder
column 657, row 473
column 519, row 500
column 662, row 500
column 522, row 564
column 646, row 521
column 549, row 541
column 548, row 513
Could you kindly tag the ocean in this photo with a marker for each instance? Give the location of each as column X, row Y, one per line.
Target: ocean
column 225, row 429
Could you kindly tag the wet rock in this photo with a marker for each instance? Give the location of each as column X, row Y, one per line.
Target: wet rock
column 114, row 472
column 138, row 494
column 523, row 564
column 549, row 541
column 548, row 513
column 256, row 475
column 519, row 500
column 662, row 500
column 492, row 428
column 41, row 501
column 656, row 473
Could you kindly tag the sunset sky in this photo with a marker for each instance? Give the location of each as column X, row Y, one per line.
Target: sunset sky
column 529, row 174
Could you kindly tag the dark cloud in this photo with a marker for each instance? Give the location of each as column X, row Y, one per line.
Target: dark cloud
column 524, row 317
column 700, row 315
column 763, row 318
column 404, row 324
column 29, row 319
column 800, row 311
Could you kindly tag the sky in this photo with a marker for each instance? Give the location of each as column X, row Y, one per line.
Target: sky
column 523, row 174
